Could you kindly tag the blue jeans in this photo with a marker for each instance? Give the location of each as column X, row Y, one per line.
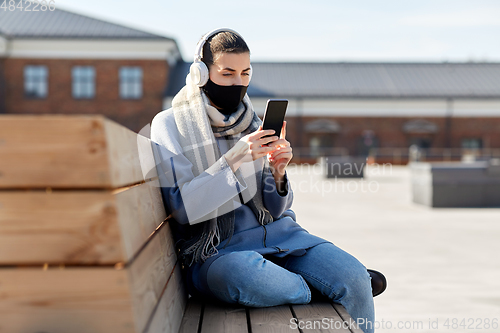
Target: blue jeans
column 246, row 277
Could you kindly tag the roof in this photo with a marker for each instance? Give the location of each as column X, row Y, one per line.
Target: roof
column 63, row 24
column 177, row 78
column 366, row 80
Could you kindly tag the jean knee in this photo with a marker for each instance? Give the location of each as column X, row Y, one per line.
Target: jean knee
column 357, row 279
column 360, row 273
column 334, row 271
column 231, row 274
column 231, row 266
column 246, row 277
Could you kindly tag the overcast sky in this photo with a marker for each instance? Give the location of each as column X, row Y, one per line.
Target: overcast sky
column 320, row 30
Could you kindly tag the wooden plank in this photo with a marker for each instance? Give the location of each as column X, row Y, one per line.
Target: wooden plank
column 140, row 210
column 221, row 318
column 191, row 318
column 111, row 300
column 130, row 155
column 168, row 315
column 77, row 300
column 71, row 151
column 319, row 317
column 149, row 274
column 346, row 317
column 77, row 227
column 55, row 227
column 276, row 319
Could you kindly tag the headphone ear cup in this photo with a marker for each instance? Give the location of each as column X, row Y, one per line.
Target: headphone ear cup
column 199, row 73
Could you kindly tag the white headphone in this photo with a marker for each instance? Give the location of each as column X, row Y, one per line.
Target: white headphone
column 199, row 71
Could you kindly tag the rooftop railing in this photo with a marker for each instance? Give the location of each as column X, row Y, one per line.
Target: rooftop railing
column 400, row 155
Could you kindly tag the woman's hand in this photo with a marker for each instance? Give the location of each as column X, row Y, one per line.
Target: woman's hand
column 280, row 157
column 250, row 147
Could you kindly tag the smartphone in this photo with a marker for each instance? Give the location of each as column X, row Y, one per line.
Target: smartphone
column 274, row 115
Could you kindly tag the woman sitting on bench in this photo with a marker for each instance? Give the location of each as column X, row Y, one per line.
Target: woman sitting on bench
column 227, row 188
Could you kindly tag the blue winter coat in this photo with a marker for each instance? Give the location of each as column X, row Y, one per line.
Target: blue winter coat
column 284, row 236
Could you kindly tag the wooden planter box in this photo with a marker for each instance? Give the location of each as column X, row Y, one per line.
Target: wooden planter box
column 85, row 244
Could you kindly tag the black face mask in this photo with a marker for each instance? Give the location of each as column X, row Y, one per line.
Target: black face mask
column 225, row 97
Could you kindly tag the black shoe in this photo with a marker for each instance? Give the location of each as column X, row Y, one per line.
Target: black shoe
column 379, row 282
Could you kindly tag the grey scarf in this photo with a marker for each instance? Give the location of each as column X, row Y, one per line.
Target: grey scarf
column 199, row 124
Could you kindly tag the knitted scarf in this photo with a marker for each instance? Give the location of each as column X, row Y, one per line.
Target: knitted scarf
column 199, row 124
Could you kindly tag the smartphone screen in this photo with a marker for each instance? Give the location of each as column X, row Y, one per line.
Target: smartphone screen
column 274, row 115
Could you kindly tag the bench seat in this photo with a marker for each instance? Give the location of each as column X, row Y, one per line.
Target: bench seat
column 319, row 316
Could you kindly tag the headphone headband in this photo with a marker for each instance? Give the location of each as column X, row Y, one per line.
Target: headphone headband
column 199, row 47
column 199, row 71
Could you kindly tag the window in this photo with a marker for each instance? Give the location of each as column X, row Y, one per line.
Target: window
column 130, row 82
column 83, row 78
column 472, row 143
column 35, row 81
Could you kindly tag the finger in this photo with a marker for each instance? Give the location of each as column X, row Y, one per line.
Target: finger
column 280, row 153
column 281, row 160
column 263, row 149
column 259, row 153
column 266, row 140
column 283, row 130
column 281, row 147
column 281, row 143
column 260, row 133
column 256, row 131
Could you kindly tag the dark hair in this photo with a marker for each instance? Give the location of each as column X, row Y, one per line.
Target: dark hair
column 223, row 42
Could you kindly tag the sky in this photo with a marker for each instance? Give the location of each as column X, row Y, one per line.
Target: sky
column 320, row 30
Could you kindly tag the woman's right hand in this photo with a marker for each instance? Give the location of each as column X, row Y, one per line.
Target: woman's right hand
column 250, row 147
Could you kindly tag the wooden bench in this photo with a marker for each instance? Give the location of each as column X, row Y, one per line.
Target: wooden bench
column 85, row 242
column 313, row 317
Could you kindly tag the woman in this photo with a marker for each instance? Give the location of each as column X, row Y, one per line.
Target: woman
column 226, row 185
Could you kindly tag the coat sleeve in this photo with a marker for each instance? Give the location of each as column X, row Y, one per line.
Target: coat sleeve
column 190, row 199
column 275, row 202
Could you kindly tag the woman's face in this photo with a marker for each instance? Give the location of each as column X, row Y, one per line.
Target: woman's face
column 231, row 69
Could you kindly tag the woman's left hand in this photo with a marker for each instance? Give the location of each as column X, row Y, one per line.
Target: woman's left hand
column 281, row 156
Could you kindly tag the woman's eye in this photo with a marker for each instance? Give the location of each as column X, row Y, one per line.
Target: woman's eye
column 226, row 74
column 246, row 74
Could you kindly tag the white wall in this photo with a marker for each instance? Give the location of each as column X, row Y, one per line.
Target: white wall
column 92, row 49
column 476, row 108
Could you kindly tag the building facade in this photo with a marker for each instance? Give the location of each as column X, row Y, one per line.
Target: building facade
column 63, row 62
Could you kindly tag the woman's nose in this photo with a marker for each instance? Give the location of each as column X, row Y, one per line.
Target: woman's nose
column 237, row 81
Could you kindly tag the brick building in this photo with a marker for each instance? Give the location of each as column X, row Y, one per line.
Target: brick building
column 63, row 62
column 352, row 108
